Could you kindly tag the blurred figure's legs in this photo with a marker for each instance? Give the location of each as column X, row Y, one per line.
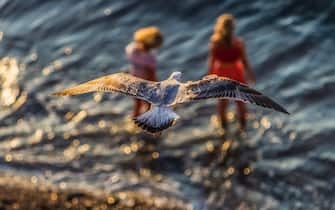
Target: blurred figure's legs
column 141, row 106
column 138, row 106
column 242, row 114
column 222, row 107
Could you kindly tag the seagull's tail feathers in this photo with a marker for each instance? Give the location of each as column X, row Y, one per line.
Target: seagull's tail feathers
column 157, row 119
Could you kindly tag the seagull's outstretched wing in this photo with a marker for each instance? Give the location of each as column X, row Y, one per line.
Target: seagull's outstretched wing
column 119, row 82
column 213, row 86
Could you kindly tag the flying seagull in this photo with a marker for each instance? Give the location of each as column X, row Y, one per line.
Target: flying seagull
column 165, row 94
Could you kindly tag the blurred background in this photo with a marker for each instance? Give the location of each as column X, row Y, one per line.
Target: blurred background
column 88, row 142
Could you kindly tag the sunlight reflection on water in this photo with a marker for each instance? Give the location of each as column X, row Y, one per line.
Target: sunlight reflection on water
column 9, row 74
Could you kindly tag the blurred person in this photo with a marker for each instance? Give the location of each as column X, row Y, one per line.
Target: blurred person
column 142, row 59
column 227, row 58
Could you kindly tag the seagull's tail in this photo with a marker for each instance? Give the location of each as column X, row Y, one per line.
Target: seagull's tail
column 157, row 119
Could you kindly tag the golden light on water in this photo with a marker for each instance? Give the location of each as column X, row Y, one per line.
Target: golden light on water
column 230, row 171
column 21, row 100
column 75, row 150
column 76, row 142
column 155, row 155
column 145, row 172
column 115, row 179
column 126, row 149
column 33, row 57
column 113, row 129
column 226, row 145
column 189, row 207
column 292, row 136
column 19, row 157
column 227, row 184
column 255, row 124
column 102, row 124
column 265, row 123
column 68, row 205
column 110, row 200
column 84, row 148
column 51, row 136
column 14, row 143
column 221, row 132
column 247, row 171
column 36, row 137
column 122, row 195
column 79, row 117
column 251, row 116
column 68, row 51
column 75, row 201
column 47, row 70
column 7, row 93
column 9, row 74
column 66, row 135
column 8, row 157
column 74, row 132
column 56, row 65
column 69, row 115
column 196, row 132
column 47, row 173
column 214, row 120
column 230, row 116
column 134, row 147
column 70, row 153
column 280, row 124
column 210, row 146
column 53, row 196
column 158, row 177
column 62, row 185
column 188, row 172
column 33, row 179
column 97, row 97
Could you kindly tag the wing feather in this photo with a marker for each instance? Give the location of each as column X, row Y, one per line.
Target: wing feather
column 221, row 87
column 120, row 82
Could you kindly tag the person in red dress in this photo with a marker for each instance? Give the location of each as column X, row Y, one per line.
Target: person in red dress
column 227, row 58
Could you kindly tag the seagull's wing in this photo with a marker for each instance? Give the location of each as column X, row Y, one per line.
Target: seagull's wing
column 119, row 82
column 213, row 86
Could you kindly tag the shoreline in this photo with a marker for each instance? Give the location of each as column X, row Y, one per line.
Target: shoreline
column 24, row 196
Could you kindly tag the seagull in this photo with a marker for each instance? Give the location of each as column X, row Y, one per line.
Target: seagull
column 164, row 95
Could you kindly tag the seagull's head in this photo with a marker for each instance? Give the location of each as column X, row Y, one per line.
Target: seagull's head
column 176, row 75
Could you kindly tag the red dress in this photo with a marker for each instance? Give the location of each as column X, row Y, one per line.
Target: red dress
column 227, row 62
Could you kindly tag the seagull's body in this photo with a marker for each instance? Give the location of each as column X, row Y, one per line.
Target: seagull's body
column 167, row 93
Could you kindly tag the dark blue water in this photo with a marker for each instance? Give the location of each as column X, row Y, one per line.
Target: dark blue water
column 88, row 142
